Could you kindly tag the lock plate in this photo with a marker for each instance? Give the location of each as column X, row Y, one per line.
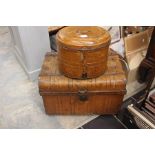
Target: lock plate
column 84, row 76
column 83, row 95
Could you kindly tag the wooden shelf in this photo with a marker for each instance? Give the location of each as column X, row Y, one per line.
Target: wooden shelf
column 54, row 29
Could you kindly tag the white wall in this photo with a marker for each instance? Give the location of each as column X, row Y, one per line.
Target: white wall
column 31, row 43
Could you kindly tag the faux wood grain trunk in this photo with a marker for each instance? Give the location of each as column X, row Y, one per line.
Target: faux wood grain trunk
column 83, row 51
column 62, row 95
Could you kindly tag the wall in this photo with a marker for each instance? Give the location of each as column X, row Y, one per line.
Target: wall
column 31, row 43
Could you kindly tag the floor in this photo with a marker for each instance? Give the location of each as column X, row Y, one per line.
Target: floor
column 104, row 122
column 20, row 103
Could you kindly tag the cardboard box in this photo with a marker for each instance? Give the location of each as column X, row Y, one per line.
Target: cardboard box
column 136, row 42
column 134, row 60
column 135, row 51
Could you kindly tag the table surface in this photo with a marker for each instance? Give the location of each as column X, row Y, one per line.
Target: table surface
column 54, row 28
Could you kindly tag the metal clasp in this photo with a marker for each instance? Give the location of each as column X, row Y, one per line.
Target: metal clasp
column 83, row 96
column 84, row 75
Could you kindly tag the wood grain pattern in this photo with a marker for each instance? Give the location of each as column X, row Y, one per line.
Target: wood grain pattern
column 61, row 94
column 83, row 51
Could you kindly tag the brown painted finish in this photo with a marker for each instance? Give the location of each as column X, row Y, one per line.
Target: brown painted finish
column 83, row 51
column 62, row 95
column 71, row 105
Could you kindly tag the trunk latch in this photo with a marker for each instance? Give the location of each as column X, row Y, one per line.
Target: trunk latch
column 83, row 96
column 84, row 75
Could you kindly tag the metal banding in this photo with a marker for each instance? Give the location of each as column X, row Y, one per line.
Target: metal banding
column 88, row 48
